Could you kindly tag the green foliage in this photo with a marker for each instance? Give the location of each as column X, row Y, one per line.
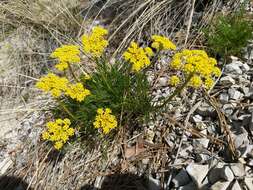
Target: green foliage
column 112, row 86
column 229, row 34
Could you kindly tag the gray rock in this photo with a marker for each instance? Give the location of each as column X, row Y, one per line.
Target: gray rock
column 154, row 184
column 197, row 172
column 206, row 110
column 220, row 185
column 224, row 98
column 220, row 173
column 245, row 67
column 227, row 80
column 236, row 186
column 228, row 109
column 163, row 81
column 201, row 142
column 5, row 165
column 181, row 179
column 234, row 94
column 190, row 186
column 234, row 67
column 238, row 169
column 249, row 182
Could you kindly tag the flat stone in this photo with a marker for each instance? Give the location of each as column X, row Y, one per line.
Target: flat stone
column 220, row 173
column 224, row 98
column 228, row 109
column 238, row 169
column 220, row 185
column 190, row 186
column 227, row 80
column 197, row 172
column 245, row 67
column 249, row 182
column 181, row 179
column 201, row 142
column 234, row 94
column 234, row 67
column 163, row 81
column 236, row 186
column 206, row 110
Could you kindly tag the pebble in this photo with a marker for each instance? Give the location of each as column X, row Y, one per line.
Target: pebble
column 245, row 67
column 238, row 169
column 228, row 109
column 227, row 80
column 5, row 165
column 163, row 81
column 181, row 179
column 249, row 182
column 236, row 186
column 224, row 98
column 234, row 94
column 206, row 110
column 190, row 186
column 197, row 172
column 219, row 173
column 234, row 67
column 220, row 185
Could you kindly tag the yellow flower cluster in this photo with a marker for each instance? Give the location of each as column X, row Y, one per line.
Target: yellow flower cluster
column 105, row 120
column 58, row 132
column 77, row 91
column 137, row 56
column 162, row 43
column 53, row 84
column 58, row 85
column 198, row 64
column 95, row 43
column 174, row 80
column 66, row 54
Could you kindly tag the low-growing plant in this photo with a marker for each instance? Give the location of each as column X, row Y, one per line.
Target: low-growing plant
column 114, row 95
column 229, row 34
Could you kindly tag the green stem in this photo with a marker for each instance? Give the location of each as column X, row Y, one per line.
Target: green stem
column 66, row 110
column 176, row 92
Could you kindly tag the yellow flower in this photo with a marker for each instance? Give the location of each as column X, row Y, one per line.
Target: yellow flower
column 53, row 84
column 105, row 120
column 209, row 83
column 198, row 63
column 58, row 132
column 174, row 80
column 62, row 66
column 195, row 81
column 137, row 57
column 149, row 52
column 95, row 43
column 162, row 43
column 66, row 54
column 77, row 91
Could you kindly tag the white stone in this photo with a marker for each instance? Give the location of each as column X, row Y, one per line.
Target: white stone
column 224, row 98
column 234, row 94
column 197, row 172
column 236, row 186
column 245, row 67
column 227, row 80
column 238, row 169
column 234, row 67
column 249, row 182
column 220, row 185
column 163, row 81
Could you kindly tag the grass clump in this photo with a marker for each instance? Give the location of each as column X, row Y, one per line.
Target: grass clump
column 229, row 34
column 97, row 103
